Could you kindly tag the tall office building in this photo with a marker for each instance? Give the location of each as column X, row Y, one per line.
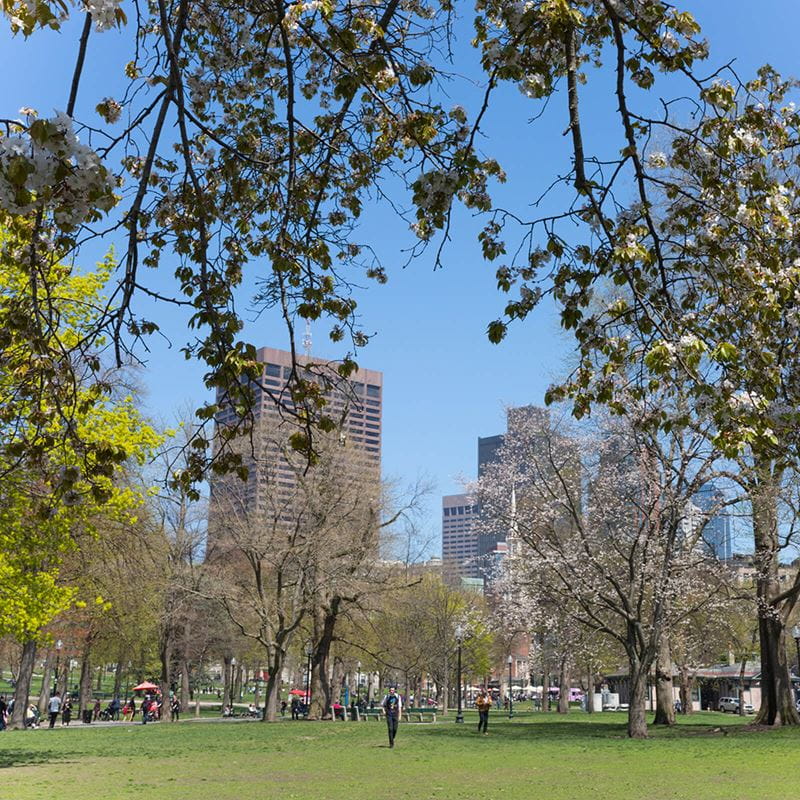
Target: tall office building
column 717, row 533
column 459, row 537
column 272, row 466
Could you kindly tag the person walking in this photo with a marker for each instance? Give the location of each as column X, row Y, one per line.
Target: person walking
column 53, row 708
column 483, row 703
column 66, row 711
column 392, row 706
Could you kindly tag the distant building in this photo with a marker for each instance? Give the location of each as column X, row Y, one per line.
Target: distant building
column 459, row 537
column 271, row 479
column 717, row 533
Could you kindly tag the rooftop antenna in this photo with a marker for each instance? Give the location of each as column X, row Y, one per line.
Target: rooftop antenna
column 307, row 339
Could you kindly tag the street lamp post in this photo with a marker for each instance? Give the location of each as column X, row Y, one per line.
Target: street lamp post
column 309, row 654
column 358, row 682
column 459, row 639
column 796, row 636
column 510, row 693
column 59, row 645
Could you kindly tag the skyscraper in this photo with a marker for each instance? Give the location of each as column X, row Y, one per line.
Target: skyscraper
column 460, row 537
column 267, row 454
column 717, row 533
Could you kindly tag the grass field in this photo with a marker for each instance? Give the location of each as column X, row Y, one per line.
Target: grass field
column 533, row 756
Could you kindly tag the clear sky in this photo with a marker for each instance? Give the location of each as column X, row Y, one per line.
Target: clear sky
column 444, row 384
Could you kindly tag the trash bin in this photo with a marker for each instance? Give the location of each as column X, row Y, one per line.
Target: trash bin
column 87, row 716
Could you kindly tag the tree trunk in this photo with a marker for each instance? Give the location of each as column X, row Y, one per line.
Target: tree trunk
column 44, row 694
column 546, row 687
column 184, row 695
column 665, row 703
column 321, row 687
column 99, row 685
column 273, row 687
column 563, row 687
column 637, row 709
column 23, row 687
column 686, row 691
column 198, row 692
column 237, row 684
column 118, row 670
column 227, row 669
column 445, row 687
column 589, row 690
column 85, row 696
column 777, row 696
column 165, row 656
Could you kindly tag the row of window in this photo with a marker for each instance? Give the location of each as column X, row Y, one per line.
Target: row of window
column 455, row 511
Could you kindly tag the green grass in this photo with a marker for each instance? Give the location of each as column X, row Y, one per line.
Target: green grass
column 533, row 756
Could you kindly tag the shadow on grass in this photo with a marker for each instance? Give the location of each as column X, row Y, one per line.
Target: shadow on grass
column 550, row 727
column 27, row 758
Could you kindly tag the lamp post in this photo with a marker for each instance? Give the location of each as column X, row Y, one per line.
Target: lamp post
column 796, row 637
column 358, row 682
column 459, row 639
column 59, row 645
column 510, row 693
column 309, row 654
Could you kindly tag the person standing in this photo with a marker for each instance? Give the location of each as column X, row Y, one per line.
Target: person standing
column 483, row 703
column 3, row 708
column 53, row 708
column 393, row 707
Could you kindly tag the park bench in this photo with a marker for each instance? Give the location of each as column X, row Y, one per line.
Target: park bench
column 371, row 713
column 420, row 715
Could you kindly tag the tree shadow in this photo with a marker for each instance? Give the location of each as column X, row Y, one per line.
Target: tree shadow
column 27, row 758
column 547, row 729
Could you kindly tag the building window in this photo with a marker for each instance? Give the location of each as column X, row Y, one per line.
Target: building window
column 273, row 370
column 373, row 391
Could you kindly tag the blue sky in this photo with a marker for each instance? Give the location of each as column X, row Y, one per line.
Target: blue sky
column 444, row 384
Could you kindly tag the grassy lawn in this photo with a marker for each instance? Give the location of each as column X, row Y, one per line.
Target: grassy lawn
column 533, row 756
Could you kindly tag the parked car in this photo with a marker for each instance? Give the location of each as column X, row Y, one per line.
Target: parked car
column 732, row 704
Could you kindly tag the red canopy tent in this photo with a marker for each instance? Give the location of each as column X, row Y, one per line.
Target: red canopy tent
column 145, row 686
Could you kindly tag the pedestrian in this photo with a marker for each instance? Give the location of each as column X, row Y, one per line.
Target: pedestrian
column 96, row 710
column 53, row 708
column 132, row 706
column 66, row 711
column 3, row 711
column 483, row 703
column 175, row 707
column 392, row 706
column 283, row 708
column 295, row 708
column 145, row 709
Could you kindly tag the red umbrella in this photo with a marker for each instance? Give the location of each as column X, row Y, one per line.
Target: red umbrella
column 145, row 686
column 299, row 692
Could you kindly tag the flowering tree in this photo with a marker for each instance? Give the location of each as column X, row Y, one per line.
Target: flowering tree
column 598, row 532
column 247, row 134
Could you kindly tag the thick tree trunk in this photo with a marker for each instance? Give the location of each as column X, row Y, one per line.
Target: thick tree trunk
column 321, row 688
column 118, row 670
column 227, row 669
column 273, row 687
column 563, row 687
column 23, row 687
column 665, row 704
column 637, row 709
column 44, row 694
column 686, row 691
column 85, row 701
column 777, row 696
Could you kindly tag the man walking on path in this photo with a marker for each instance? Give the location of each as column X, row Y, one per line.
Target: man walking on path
column 393, row 707
column 54, row 706
column 483, row 703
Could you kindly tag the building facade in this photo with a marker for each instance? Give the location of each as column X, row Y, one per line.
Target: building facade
column 459, row 538
column 272, row 466
column 717, row 533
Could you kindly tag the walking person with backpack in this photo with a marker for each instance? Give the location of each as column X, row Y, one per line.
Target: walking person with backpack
column 483, row 703
column 392, row 706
